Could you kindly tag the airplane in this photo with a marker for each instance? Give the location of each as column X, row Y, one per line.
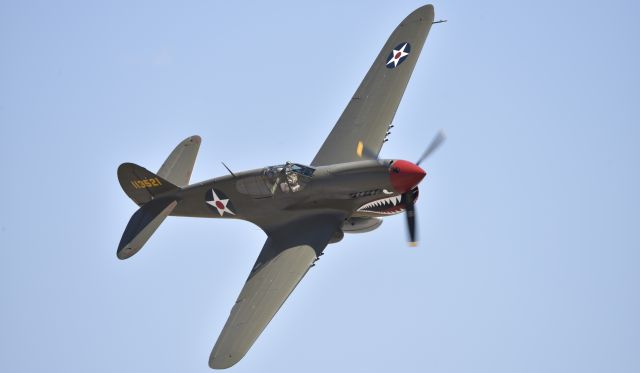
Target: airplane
column 302, row 208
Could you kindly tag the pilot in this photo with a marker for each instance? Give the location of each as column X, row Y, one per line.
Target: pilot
column 292, row 180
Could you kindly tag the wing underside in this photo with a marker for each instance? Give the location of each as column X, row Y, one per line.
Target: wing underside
column 286, row 257
column 362, row 128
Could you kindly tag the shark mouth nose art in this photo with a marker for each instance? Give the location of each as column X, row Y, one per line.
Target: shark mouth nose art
column 388, row 205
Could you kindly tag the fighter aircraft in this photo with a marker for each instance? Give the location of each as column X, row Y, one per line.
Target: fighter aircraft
column 346, row 188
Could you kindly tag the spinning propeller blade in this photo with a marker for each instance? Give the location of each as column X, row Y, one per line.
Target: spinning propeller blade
column 435, row 143
column 411, row 217
column 409, row 197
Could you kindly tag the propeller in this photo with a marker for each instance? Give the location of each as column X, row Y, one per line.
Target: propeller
column 435, row 144
column 411, row 217
column 409, row 197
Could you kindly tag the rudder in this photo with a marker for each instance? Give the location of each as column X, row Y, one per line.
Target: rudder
column 142, row 185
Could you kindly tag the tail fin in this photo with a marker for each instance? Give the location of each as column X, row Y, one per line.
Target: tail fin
column 142, row 225
column 179, row 165
column 157, row 199
column 156, row 194
column 142, row 185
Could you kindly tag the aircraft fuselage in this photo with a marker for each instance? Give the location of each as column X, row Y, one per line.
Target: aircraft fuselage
column 370, row 188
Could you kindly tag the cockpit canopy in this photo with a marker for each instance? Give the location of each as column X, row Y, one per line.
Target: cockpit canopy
column 289, row 177
column 285, row 178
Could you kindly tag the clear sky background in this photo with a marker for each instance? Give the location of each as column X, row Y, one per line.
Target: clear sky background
column 529, row 216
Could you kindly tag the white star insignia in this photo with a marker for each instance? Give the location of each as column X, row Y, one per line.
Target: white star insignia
column 397, row 54
column 220, row 204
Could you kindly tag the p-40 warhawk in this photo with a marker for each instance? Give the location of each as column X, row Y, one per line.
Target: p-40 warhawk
column 301, row 208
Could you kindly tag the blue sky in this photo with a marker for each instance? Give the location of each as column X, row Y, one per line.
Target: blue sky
column 529, row 215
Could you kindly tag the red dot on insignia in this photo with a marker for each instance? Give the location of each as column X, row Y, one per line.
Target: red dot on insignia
column 220, row 205
column 398, row 55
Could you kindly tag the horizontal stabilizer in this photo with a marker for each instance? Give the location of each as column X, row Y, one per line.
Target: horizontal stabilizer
column 179, row 165
column 142, row 185
column 142, row 225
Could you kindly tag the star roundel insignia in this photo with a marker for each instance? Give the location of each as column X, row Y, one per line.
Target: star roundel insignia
column 398, row 54
column 219, row 201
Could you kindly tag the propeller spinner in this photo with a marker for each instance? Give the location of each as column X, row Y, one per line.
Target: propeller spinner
column 405, row 177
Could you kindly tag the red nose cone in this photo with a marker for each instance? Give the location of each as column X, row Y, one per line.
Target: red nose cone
column 405, row 175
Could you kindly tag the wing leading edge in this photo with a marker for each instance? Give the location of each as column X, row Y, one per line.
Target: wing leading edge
column 360, row 132
column 285, row 258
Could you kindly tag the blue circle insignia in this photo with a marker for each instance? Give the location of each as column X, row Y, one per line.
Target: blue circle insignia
column 398, row 54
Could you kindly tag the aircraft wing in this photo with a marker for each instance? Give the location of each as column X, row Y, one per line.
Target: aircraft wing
column 362, row 128
column 287, row 255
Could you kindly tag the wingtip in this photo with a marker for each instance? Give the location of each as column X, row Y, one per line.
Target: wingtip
column 424, row 13
column 222, row 357
column 219, row 363
column 195, row 139
column 427, row 9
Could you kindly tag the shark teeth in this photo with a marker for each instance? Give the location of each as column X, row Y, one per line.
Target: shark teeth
column 388, row 202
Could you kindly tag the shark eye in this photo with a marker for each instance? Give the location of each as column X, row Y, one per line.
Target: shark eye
column 395, row 170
